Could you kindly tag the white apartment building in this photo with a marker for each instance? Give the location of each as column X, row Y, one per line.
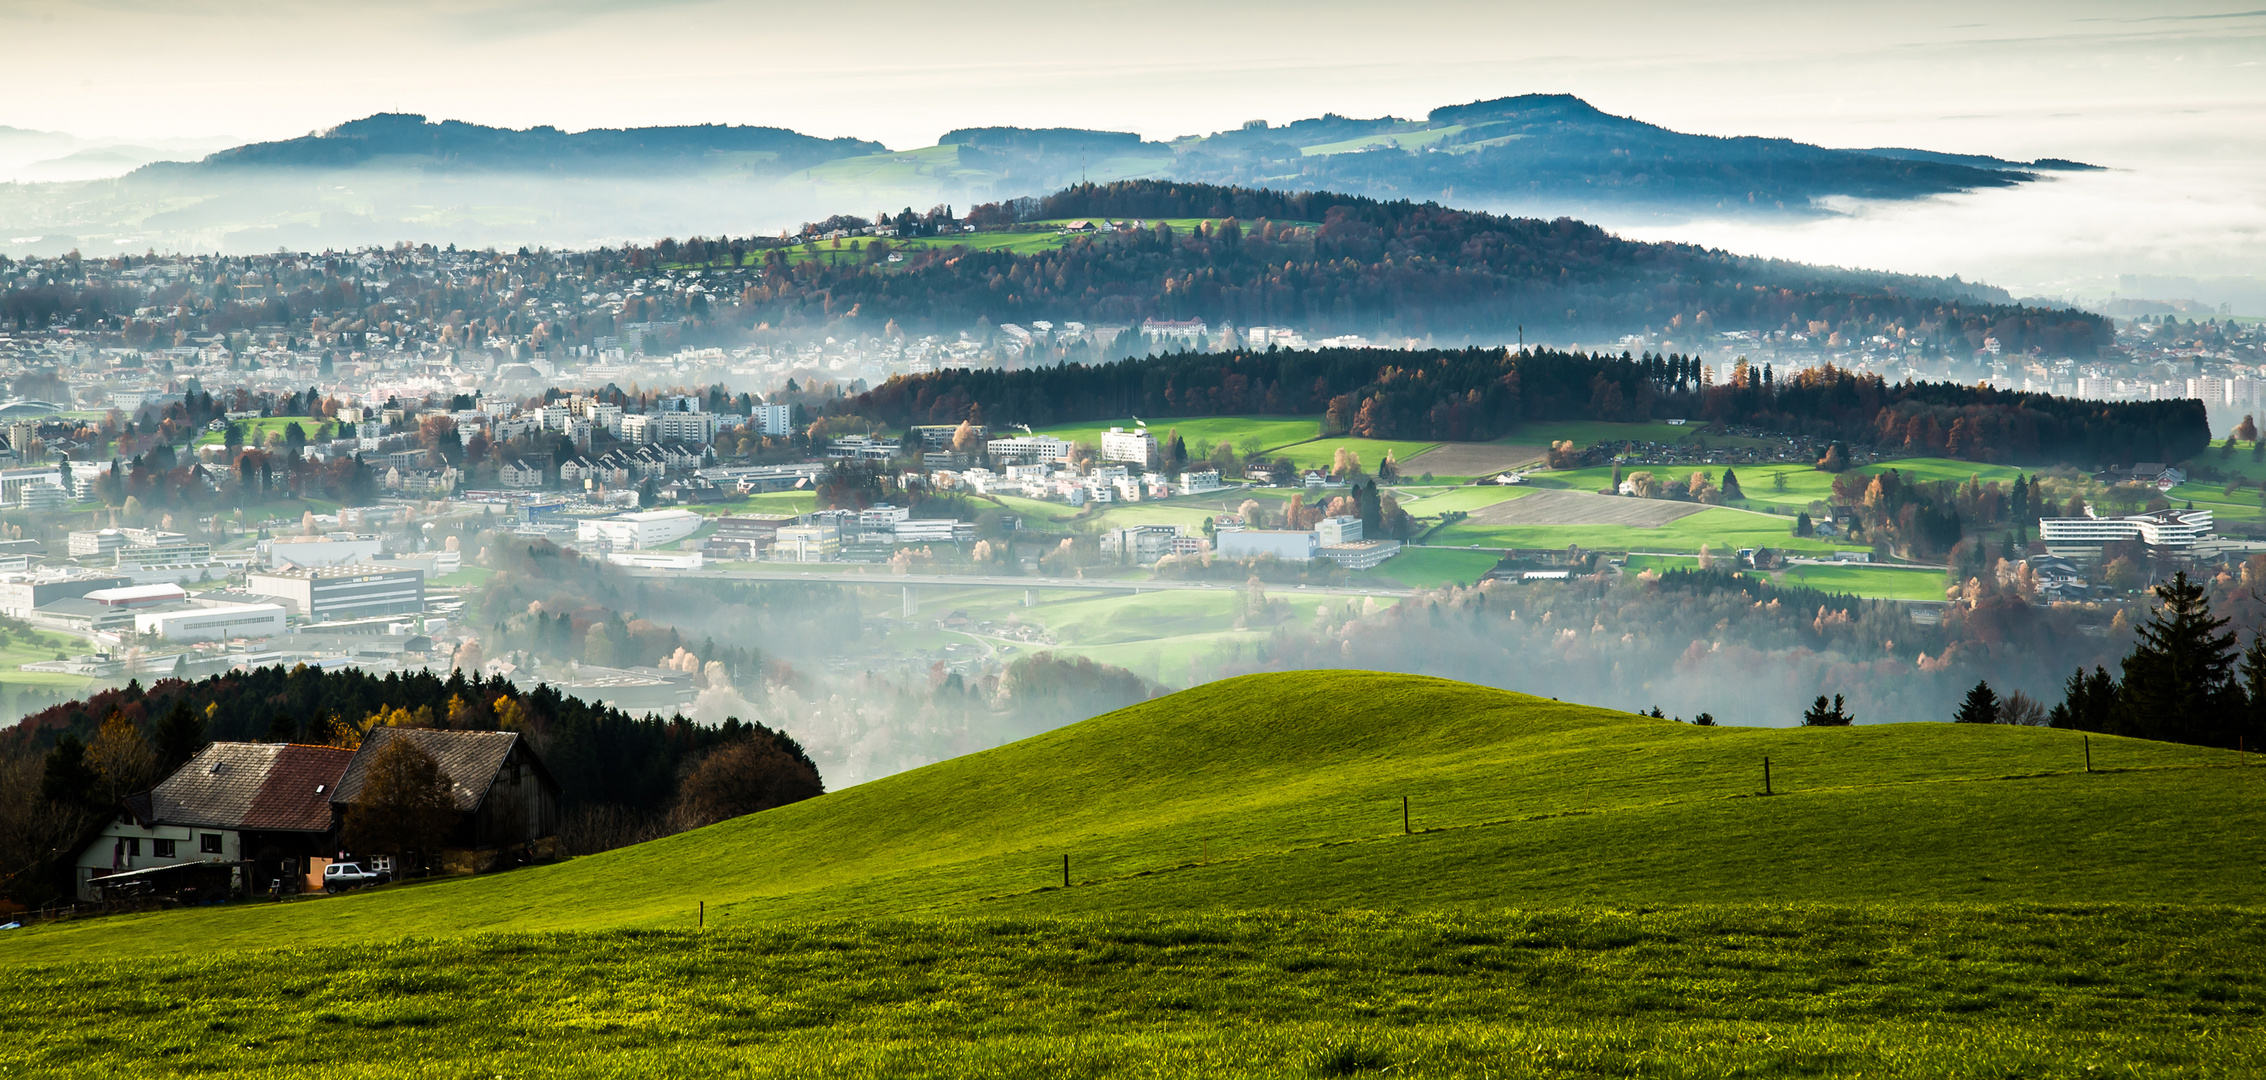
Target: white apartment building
column 1028, row 450
column 693, row 427
column 1138, row 447
column 1338, row 530
column 2208, row 389
column 774, row 419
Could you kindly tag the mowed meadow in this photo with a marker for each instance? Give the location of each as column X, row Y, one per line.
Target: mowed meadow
column 1228, row 882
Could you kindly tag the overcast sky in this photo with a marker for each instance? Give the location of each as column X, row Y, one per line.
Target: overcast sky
column 2176, row 90
column 2025, row 78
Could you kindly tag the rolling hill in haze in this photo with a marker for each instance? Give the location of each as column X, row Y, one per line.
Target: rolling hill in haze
column 1575, row 892
column 1284, row 791
column 391, row 177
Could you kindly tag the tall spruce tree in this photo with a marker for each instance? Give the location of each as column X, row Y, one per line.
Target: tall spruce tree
column 1981, row 706
column 2178, row 680
column 1820, row 714
column 2250, row 727
column 2089, row 702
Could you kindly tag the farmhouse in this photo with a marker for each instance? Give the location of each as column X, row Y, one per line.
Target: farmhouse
column 237, row 816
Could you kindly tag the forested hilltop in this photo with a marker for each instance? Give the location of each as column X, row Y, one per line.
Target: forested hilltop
column 1347, row 264
column 1481, row 394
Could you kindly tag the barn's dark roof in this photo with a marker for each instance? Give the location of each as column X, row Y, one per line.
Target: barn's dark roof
column 470, row 759
column 251, row 786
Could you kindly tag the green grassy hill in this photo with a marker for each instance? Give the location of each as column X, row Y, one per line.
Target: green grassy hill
column 1581, row 893
column 1285, row 790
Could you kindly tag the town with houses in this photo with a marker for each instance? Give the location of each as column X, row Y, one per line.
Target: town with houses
column 593, row 399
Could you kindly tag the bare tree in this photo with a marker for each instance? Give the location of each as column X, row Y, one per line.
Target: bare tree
column 2021, row 710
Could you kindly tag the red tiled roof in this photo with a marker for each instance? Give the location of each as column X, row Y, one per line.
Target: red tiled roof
column 252, row 786
column 298, row 790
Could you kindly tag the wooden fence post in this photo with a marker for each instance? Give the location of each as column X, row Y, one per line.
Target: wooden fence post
column 1766, row 775
column 2088, row 753
column 1404, row 816
column 1065, row 869
column 702, row 924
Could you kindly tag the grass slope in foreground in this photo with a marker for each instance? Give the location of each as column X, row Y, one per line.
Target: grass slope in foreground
column 1916, row 900
column 1285, row 791
column 1703, row 992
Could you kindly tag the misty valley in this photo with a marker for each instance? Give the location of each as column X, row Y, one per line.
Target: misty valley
column 1324, row 597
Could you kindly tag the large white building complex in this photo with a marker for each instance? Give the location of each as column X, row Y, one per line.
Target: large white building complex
column 2174, row 530
column 638, row 531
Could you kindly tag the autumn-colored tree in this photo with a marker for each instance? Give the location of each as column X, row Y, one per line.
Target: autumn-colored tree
column 406, row 803
column 2247, row 431
column 753, row 774
column 122, row 758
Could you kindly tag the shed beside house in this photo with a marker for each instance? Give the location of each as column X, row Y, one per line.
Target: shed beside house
column 506, row 800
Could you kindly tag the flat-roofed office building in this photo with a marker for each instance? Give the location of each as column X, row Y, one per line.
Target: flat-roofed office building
column 327, row 593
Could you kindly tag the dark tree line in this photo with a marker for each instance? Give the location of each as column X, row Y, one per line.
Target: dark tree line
column 2183, row 681
column 1479, row 394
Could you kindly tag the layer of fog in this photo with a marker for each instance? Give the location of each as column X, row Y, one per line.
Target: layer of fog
column 2078, row 237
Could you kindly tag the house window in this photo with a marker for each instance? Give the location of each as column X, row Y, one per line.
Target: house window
column 163, row 849
column 208, row 843
column 133, row 847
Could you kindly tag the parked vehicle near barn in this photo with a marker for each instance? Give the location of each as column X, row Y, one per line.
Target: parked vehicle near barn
column 338, row 877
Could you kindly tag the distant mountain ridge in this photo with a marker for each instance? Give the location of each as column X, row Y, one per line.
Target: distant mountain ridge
column 395, row 176
column 396, row 137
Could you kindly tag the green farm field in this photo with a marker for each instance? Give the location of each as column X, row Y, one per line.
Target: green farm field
column 1586, row 433
column 853, row 249
column 1322, row 453
column 1721, row 528
column 1577, row 892
column 1429, row 568
column 257, row 430
column 1271, row 431
column 2243, row 505
column 761, row 503
column 1760, row 482
column 1873, row 582
column 1432, row 502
